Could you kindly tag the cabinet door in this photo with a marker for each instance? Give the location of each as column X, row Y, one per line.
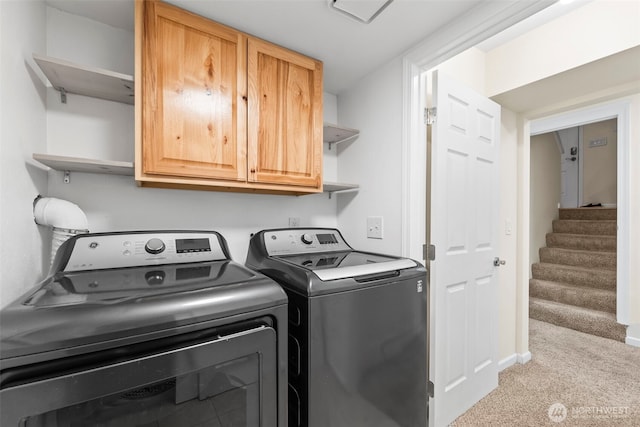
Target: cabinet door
column 194, row 82
column 284, row 117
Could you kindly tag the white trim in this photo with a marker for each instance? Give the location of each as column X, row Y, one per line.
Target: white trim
column 478, row 24
column 507, row 362
column 523, row 256
column 618, row 109
column 414, row 155
column 633, row 335
column 578, row 117
column 521, row 359
column 524, row 357
column 632, row 341
column 580, row 166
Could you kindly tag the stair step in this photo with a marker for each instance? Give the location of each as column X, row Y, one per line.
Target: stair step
column 589, row 213
column 578, row 258
column 591, row 227
column 579, row 276
column 580, row 296
column 582, row 242
column 581, row 319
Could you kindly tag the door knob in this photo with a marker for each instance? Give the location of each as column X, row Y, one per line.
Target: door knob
column 498, row 262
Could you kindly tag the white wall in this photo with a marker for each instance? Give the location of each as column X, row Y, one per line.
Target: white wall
column 22, row 131
column 373, row 160
column 467, row 68
column 508, row 232
column 596, row 30
column 34, row 120
column 84, row 126
column 104, row 129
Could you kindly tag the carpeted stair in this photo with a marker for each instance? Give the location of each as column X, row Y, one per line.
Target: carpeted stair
column 574, row 284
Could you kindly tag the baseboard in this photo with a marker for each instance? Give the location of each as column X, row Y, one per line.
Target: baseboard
column 633, row 335
column 507, row 361
column 511, row 360
column 632, row 341
column 524, row 357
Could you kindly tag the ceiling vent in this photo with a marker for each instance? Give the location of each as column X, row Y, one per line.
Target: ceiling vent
column 363, row 11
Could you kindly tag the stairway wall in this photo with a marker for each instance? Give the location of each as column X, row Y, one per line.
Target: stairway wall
column 574, row 284
column 600, row 163
column 545, row 190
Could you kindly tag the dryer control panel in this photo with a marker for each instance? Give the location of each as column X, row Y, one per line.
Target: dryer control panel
column 118, row 250
column 303, row 240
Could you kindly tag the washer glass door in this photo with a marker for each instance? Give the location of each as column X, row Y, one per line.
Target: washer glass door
column 228, row 380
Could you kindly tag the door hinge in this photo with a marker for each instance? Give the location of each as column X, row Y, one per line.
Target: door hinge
column 429, row 252
column 430, row 389
column 430, row 115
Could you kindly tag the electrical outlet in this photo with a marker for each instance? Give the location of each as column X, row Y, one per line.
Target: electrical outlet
column 294, row 221
column 374, row 227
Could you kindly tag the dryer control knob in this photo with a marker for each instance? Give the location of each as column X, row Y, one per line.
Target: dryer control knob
column 155, row 277
column 154, row 246
column 307, row 238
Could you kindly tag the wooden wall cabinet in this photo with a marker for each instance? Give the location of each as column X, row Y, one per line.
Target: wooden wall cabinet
column 218, row 109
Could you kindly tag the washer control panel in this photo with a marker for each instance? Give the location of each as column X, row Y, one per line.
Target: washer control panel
column 119, row 250
column 300, row 241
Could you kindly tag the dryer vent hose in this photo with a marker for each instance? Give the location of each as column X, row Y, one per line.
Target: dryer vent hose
column 65, row 218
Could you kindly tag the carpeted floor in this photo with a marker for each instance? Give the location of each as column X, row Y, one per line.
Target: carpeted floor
column 596, row 379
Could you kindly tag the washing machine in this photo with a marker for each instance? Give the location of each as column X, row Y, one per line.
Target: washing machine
column 357, row 329
column 145, row 328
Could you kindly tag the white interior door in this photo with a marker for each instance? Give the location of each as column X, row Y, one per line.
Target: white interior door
column 569, row 142
column 464, row 228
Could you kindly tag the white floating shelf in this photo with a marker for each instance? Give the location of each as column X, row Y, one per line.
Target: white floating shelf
column 338, row 187
column 333, row 134
column 78, row 164
column 68, row 77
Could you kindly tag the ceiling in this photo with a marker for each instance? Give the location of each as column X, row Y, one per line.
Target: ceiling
column 349, row 49
column 620, row 71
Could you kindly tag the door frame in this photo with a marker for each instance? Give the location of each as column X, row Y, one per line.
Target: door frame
column 464, row 33
column 619, row 110
column 461, row 35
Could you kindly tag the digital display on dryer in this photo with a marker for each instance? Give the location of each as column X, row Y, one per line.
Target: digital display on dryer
column 325, row 239
column 192, row 245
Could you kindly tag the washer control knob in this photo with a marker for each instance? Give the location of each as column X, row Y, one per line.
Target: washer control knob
column 154, row 246
column 307, row 238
